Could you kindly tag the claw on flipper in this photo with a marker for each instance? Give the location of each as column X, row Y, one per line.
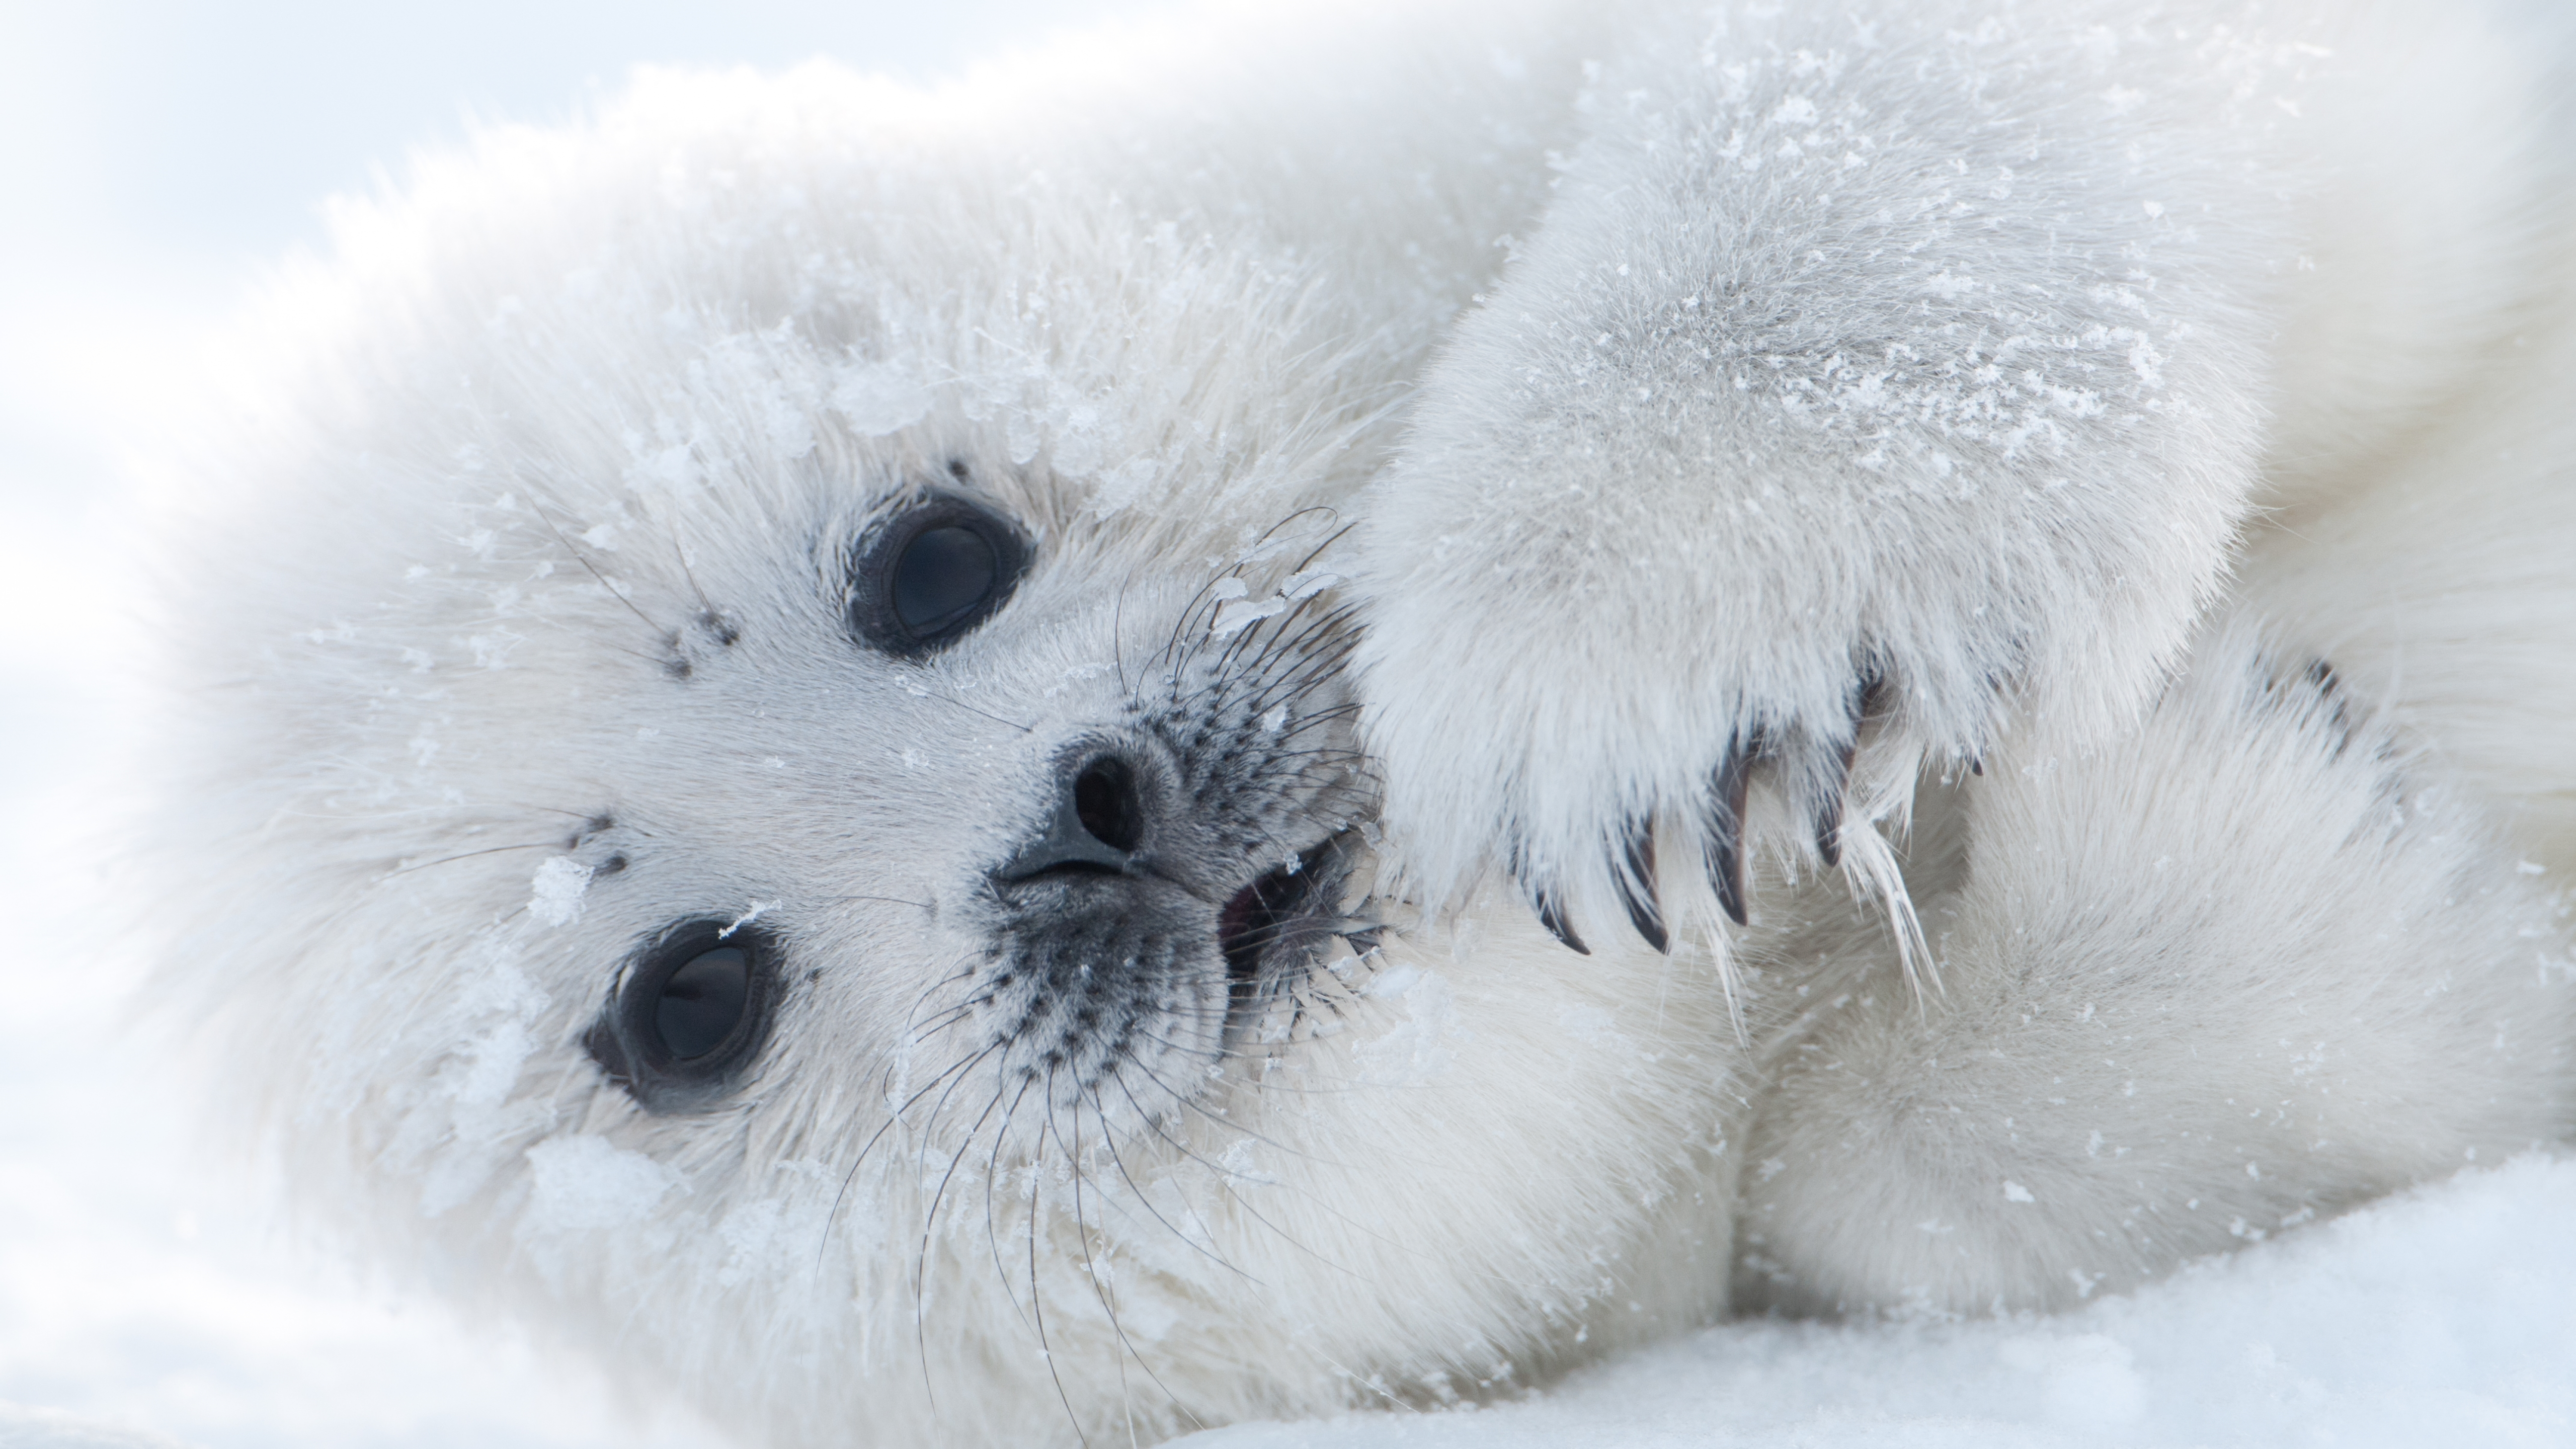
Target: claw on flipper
column 1831, row 808
column 1726, row 825
column 1551, row 914
column 1637, row 885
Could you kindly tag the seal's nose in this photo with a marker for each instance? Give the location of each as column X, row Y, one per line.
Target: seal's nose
column 1098, row 826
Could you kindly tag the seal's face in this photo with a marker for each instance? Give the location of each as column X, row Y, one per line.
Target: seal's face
column 768, row 779
column 1020, row 824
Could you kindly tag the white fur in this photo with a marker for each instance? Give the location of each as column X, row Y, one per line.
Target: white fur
column 2246, row 967
column 580, row 413
column 1932, row 344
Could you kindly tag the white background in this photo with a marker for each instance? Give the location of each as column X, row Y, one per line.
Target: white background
column 153, row 158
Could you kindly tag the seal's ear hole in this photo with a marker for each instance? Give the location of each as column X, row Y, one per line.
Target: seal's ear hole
column 691, row 1015
column 931, row 573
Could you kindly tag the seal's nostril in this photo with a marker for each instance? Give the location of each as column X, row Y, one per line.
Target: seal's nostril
column 1098, row 826
column 1104, row 799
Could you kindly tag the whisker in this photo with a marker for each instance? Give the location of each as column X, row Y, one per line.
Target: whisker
column 929, row 1221
column 993, row 1170
column 1190, row 1100
column 408, row 868
column 1037, row 1185
column 892, row 1118
column 539, row 509
column 1118, row 631
column 1026, row 729
column 1146, row 1202
column 1223, row 1185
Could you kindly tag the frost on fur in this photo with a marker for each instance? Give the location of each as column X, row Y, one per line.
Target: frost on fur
column 2258, row 905
column 1909, row 370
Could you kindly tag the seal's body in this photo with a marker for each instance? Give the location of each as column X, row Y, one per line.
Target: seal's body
column 782, row 760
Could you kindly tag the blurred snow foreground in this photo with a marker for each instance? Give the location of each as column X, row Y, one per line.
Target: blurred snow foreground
column 139, row 1311
column 2443, row 1317
column 39, row 1429
column 143, row 1306
column 2446, row 1316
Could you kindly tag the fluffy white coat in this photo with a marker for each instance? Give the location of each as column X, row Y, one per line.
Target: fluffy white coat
column 514, row 639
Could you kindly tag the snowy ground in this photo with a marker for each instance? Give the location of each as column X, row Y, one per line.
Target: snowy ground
column 2442, row 1318
column 151, row 155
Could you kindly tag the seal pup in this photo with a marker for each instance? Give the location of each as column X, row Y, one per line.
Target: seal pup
column 769, row 778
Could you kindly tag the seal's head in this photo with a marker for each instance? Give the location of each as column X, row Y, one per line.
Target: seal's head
column 767, row 778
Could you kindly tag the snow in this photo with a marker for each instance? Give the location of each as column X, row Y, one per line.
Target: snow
column 555, row 892
column 2443, row 1316
column 582, row 1181
column 881, row 398
column 144, row 1288
column 41, row 1429
column 147, row 1294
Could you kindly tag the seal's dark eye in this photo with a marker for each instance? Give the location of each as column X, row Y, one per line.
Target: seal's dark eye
column 932, row 573
column 690, row 1016
column 703, row 1002
column 943, row 575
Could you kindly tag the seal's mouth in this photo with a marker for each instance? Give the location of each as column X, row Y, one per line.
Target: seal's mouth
column 1284, row 915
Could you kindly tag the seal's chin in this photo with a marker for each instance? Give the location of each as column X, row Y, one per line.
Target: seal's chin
column 1273, row 926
